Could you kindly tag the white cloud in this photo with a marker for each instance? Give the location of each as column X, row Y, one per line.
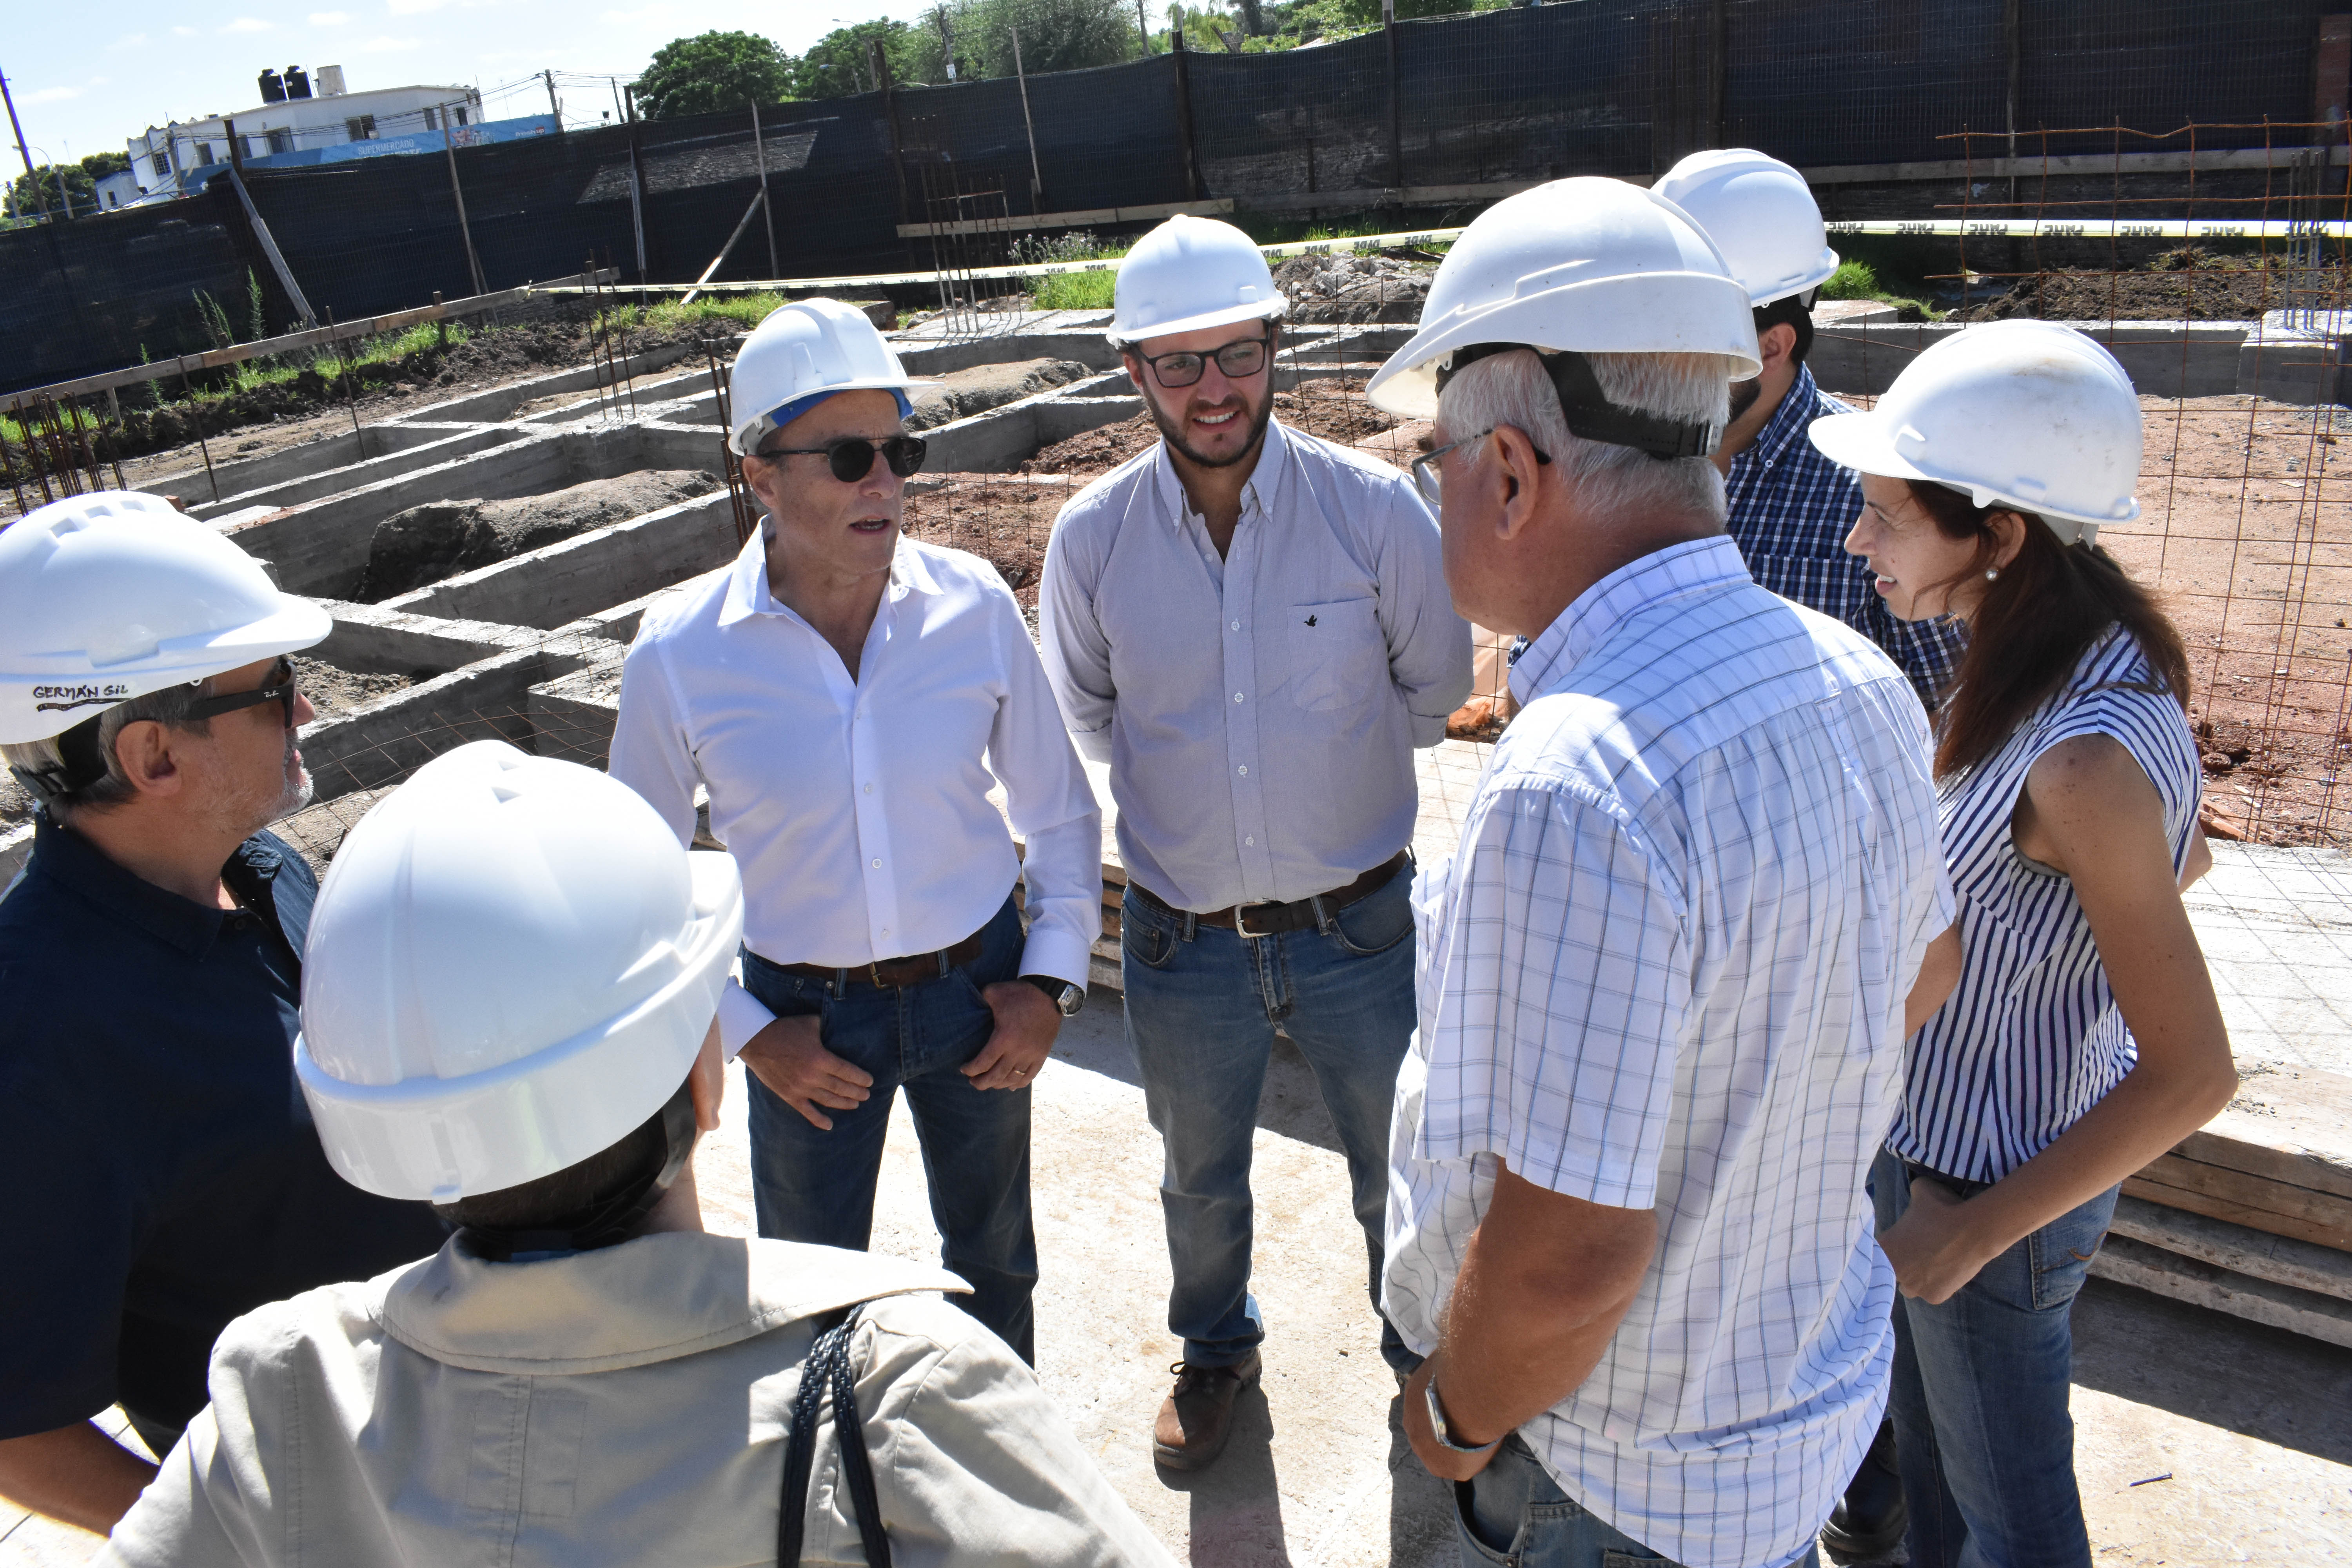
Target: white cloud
column 247, row 24
column 136, row 40
column 413, row 8
column 53, row 95
column 388, row 46
column 183, row 32
column 329, row 19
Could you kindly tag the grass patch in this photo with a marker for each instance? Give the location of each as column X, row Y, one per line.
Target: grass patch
column 1859, row 281
column 1073, row 290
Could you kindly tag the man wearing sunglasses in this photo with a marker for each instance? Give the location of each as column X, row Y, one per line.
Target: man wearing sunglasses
column 1251, row 625
column 849, row 697
column 167, row 1173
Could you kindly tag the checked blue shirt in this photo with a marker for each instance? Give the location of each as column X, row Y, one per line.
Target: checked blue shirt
column 1791, row 509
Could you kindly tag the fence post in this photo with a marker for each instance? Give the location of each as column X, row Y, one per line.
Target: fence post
column 767, row 207
column 1717, row 37
column 276, row 257
column 1184, row 115
column 465, row 229
column 889, row 91
column 1036, row 178
column 1396, row 100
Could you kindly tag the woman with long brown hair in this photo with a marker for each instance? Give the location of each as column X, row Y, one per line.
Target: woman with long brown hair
column 2084, row 1039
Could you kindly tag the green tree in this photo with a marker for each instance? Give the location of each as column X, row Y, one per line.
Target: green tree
column 837, row 65
column 77, row 180
column 1055, row 35
column 712, row 72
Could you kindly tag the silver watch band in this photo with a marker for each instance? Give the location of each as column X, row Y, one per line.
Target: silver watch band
column 1437, row 1423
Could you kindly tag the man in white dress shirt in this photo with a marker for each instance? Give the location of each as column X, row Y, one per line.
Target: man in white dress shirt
column 1662, row 990
column 1250, row 626
column 849, row 697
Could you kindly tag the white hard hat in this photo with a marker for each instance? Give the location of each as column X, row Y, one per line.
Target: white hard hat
column 1761, row 215
column 2031, row 414
column 806, row 349
column 1592, row 265
column 1188, row 274
column 511, row 966
column 110, row 596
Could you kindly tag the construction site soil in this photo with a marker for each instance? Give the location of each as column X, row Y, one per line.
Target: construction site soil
column 2245, row 535
column 1332, row 407
column 2185, row 285
column 322, row 399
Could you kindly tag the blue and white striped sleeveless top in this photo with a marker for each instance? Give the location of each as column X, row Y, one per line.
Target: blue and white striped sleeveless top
column 2032, row 1038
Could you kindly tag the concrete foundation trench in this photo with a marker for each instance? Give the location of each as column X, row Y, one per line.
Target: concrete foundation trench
column 487, row 560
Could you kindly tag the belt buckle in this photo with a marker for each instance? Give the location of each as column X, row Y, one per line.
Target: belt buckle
column 1241, row 919
column 874, row 973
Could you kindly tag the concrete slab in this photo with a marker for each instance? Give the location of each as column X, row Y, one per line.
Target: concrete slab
column 2164, row 359
column 334, row 480
column 2277, row 927
column 573, row 577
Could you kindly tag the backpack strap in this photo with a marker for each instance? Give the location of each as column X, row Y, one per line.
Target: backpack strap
column 828, row 1367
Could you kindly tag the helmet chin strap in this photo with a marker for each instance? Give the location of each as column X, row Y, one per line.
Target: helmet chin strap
column 1588, row 412
column 607, row 1222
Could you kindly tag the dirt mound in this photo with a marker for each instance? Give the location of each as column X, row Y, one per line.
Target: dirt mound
column 1330, row 407
column 981, row 387
column 1335, row 289
column 334, row 691
column 2185, row 284
column 440, row 538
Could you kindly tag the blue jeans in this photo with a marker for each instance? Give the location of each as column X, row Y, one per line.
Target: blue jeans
column 1514, row 1512
column 814, row 1185
column 1981, row 1430
column 1201, row 1007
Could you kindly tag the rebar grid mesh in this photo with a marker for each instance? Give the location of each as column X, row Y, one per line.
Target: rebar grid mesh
column 2246, row 531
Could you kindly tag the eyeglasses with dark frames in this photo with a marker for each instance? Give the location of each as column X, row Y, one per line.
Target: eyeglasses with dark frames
column 1426, row 477
column 280, row 688
column 1239, row 360
column 852, row 457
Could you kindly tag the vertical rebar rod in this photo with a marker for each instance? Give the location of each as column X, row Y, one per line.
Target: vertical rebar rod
column 33, row 463
column 8, row 463
column 351, row 396
column 196, row 418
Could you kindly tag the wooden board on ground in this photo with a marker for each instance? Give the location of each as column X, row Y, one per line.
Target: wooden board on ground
column 2135, row 1263
column 2280, row 1260
column 2279, row 1160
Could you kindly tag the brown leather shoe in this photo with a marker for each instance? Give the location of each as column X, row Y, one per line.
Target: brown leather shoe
column 1197, row 1416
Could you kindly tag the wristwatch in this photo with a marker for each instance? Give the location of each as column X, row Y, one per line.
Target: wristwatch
column 1065, row 997
column 1437, row 1423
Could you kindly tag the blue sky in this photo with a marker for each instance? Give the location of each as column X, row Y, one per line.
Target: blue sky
column 78, row 91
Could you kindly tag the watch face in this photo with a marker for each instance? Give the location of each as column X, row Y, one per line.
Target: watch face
column 1072, row 999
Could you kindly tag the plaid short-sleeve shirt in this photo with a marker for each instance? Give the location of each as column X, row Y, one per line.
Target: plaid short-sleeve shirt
column 1790, row 509
column 1666, row 970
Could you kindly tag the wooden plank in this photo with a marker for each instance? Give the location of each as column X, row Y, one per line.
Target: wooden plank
column 1083, row 219
column 2129, row 1262
column 2254, row 1216
column 314, row 337
column 2238, row 1249
column 2289, row 1123
column 2262, row 1192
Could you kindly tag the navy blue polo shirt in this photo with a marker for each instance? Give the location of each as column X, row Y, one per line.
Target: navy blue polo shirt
column 159, row 1172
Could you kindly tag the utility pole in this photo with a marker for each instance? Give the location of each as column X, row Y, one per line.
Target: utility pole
column 553, row 107
column 32, row 178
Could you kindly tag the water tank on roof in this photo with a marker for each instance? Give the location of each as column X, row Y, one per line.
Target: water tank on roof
column 297, row 85
column 273, row 87
column 331, row 81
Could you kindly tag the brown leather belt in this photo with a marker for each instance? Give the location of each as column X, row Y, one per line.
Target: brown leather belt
column 1272, row 919
column 892, row 974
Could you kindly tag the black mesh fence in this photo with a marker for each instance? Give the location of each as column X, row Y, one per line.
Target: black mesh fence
column 1435, row 109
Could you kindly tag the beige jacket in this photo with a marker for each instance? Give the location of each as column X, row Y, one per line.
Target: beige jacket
column 627, row 1405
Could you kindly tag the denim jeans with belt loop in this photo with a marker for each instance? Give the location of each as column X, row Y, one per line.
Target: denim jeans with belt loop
column 809, row 1184
column 1203, row 1004
column 1982, row 1434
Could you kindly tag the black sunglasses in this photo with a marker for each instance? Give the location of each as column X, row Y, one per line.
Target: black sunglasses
column 852, row 457
column 1238, row 360
column 281, row 689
